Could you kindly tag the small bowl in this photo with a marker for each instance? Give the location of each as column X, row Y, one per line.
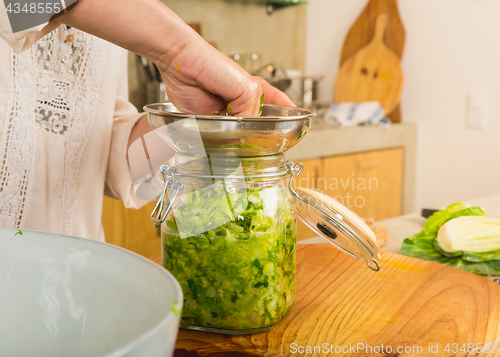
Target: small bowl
column 278, row 129
column 66, row 296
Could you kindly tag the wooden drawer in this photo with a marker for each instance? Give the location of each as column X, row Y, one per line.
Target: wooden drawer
column 371, row 183
column 130, row 228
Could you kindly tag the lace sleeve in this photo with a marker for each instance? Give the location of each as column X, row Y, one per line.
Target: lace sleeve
column 118, row 180
column 22, row 40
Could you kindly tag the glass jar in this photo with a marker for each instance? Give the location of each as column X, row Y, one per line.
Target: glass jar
column 229, row 239
column 228, row 216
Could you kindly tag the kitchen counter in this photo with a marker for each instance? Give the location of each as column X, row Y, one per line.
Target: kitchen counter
column 326, row 141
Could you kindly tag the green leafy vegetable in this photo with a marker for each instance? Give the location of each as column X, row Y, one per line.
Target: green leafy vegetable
column 261, row 103
column 424, row 245
column 238, row 275
column 233, row 145
column 176, row 308
column 439, row 218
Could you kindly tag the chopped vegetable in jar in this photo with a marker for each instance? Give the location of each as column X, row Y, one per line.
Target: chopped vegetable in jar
column 239, row 275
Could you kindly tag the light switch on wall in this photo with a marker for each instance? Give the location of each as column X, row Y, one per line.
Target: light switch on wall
column 477, row 109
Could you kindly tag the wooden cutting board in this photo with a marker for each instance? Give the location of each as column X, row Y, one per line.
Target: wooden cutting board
column 339, row 301
column 374, row 73
column 362, row 31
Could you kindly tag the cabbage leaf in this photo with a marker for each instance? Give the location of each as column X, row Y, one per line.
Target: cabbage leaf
column 424, row 245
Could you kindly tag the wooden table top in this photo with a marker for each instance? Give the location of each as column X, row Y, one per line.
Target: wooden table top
column 342, row 308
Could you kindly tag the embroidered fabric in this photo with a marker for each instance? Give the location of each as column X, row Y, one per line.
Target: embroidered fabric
column 17, row 144
column 91, row 67
column 53, row 86
column 51, row 121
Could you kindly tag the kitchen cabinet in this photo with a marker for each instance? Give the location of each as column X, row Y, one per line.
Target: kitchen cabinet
column 130, row 228
column 369, row 183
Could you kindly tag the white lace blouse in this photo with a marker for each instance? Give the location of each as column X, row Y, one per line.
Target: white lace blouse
column 64, row 127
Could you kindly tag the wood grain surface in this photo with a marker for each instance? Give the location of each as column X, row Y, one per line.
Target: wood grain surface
column 410, row 303
column 362, row 32
column 132, row 229
column 374, row 73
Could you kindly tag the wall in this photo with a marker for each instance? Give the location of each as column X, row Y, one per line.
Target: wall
column 451, row 46
column 242, row 26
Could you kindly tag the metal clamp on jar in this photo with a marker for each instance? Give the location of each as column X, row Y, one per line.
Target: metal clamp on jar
column 228, row 216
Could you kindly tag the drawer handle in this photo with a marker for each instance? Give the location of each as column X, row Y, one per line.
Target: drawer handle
column 367, row 164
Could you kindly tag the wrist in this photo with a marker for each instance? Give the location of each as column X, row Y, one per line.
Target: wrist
column 175, row 55
column 158, row 33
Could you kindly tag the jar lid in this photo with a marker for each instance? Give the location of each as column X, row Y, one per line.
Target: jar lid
column 342, row 227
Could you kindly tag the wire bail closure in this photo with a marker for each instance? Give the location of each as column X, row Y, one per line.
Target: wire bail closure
column 294, row 171
column 173, row 186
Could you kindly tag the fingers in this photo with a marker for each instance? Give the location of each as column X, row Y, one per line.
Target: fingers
column 274, row 95
column 247, row 103
column 199, row 76
column 191, row 99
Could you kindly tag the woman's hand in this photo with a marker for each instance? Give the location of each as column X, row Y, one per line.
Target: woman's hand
column 201, row 80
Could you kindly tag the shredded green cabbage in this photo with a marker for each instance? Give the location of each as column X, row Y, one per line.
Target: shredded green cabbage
column 261, row 103
column 240, row 275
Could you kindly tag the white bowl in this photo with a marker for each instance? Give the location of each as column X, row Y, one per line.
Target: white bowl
column 66, row 296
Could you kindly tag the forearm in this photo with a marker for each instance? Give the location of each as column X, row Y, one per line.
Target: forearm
column 150, row 29
column 196, row 75
column 146, row 151
column 140, row 129
column 145, row 27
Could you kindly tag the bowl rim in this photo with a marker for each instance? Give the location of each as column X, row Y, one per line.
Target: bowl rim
column 306, row 114
column 140, row 339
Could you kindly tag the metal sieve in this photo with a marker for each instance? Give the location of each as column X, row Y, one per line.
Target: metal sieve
column 278, row 129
